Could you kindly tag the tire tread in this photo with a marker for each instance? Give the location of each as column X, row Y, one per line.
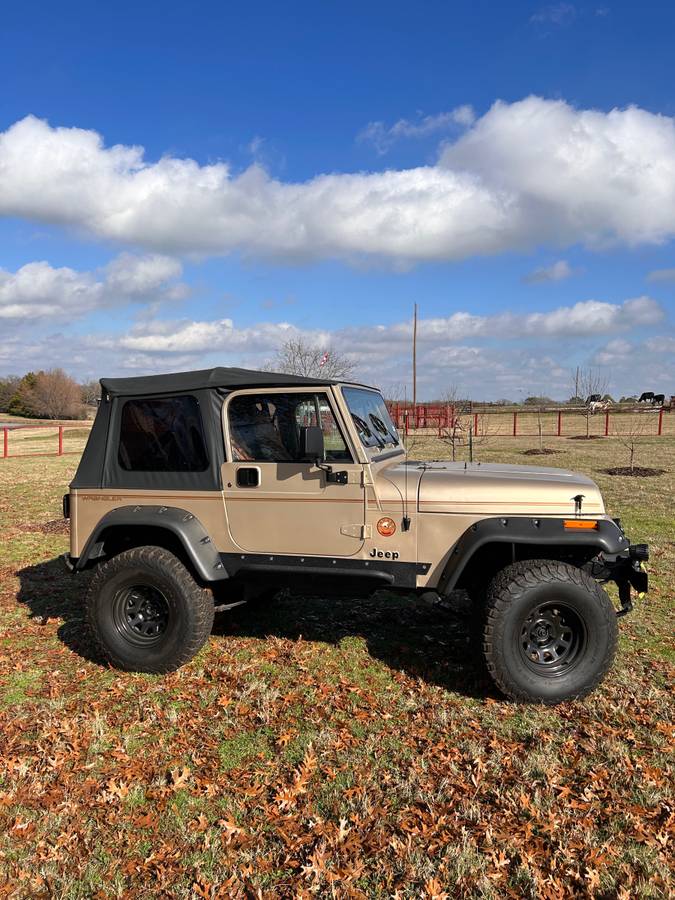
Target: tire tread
column 506, row 587
column 167, row 565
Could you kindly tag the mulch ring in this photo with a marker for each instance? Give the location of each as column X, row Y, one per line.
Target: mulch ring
column 636, row 471
column 585, row 437
column 56, row 526
column 544, row 451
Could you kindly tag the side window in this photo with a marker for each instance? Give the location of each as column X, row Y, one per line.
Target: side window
column 266, row 427
column 336, row 449
column 317, row 411
column 162, row 435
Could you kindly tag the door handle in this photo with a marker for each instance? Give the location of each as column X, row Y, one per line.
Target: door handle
column 248, row 477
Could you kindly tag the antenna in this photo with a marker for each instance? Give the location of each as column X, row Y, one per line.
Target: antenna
column 414, row 366
column 406, row 518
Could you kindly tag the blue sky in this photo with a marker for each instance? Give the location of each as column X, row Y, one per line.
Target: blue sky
column 347, row 160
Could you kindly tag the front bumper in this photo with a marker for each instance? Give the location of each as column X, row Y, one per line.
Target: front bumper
column 627, row 571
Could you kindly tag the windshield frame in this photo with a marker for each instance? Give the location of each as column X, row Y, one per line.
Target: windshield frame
column 384, row 434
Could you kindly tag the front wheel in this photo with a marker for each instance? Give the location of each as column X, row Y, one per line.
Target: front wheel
column 146, row 612
column 550, row 632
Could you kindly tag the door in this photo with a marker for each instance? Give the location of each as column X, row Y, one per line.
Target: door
column 276, row 503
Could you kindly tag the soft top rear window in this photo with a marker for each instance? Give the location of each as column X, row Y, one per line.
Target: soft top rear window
column 162, row 435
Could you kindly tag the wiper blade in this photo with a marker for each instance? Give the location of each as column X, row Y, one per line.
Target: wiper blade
column 382, row 428
column 362, row 425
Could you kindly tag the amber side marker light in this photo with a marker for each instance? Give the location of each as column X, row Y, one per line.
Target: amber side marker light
column 386, row 526
column 580, row 525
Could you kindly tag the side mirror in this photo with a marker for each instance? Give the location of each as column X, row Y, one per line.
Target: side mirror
column 311, row 443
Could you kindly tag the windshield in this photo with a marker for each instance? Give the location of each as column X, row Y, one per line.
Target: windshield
column 371, row 417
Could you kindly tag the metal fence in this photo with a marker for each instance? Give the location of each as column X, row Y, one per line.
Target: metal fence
column 42, row 440
column 560, row 422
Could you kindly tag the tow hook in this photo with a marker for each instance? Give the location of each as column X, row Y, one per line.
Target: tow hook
column 635, row 577
column 624, row 599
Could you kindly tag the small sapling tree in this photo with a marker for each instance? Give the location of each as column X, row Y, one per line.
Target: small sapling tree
column 631, row 435
column 586, row 383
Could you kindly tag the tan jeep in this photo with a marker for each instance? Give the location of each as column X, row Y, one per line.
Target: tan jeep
column 201, row 490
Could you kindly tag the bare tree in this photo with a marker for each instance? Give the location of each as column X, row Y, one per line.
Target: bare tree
column 90, row 392
column 462, row 425
column 454, row 432
column 297, row 356
column 632, row 438
column 54, row 395
column 586, row 383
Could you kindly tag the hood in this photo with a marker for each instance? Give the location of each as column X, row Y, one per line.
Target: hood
column 491, row 488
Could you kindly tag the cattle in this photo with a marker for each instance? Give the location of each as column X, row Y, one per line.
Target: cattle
column 646, row 397
column 598, row 405
column 594, row 398
column 658, row 399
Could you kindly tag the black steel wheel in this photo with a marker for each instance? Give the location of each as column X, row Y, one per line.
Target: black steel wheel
column 146, row 612
column 141, row 613
column 550, row 631
column 552, row 639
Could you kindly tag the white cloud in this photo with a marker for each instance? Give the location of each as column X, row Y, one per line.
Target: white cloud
column 661, row 344
column 555, row 14
column 37, row 290
column 558, row 271
column 575, row 175
column 141, row 276
column 661, row 275
column 586, row 319
column 202, row 337
column 614, row 351
column 524, row 174
column 382, row 137
column 485, row 356
column 594, row 317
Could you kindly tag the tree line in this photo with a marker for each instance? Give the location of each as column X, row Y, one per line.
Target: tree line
column 50, row 394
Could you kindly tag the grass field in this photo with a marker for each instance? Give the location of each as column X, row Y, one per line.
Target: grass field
column 329, row 748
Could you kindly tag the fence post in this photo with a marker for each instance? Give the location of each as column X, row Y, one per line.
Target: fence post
column 475, row 424
column 60, row 440
column 559, row 422
column 660, row 429
column 607, row 423
column 5, row 442
column 515, row 424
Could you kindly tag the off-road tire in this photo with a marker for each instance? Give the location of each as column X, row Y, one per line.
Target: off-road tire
column 512, row 599
column 187, row 611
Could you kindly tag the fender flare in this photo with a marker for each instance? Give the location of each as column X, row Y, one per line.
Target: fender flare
column 607, row 539
column 181, row 523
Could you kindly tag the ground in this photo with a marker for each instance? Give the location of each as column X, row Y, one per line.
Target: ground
column 325, row 748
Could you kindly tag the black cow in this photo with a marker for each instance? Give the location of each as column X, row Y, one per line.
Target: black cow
column 646, row 397
column 594, row 398
column 658, row 399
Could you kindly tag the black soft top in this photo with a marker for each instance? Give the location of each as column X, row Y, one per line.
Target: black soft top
column 100, row 466
column 219, row 377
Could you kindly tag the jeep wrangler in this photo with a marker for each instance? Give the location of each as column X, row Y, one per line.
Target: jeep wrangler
column 199, row 491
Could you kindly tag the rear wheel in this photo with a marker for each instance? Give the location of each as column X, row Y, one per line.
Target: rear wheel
column 146, row 612
column 550, row 631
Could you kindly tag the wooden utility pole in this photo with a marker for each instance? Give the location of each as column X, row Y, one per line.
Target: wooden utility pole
column 414, row 351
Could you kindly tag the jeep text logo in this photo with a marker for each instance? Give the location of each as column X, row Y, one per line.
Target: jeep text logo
column 383, row 554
